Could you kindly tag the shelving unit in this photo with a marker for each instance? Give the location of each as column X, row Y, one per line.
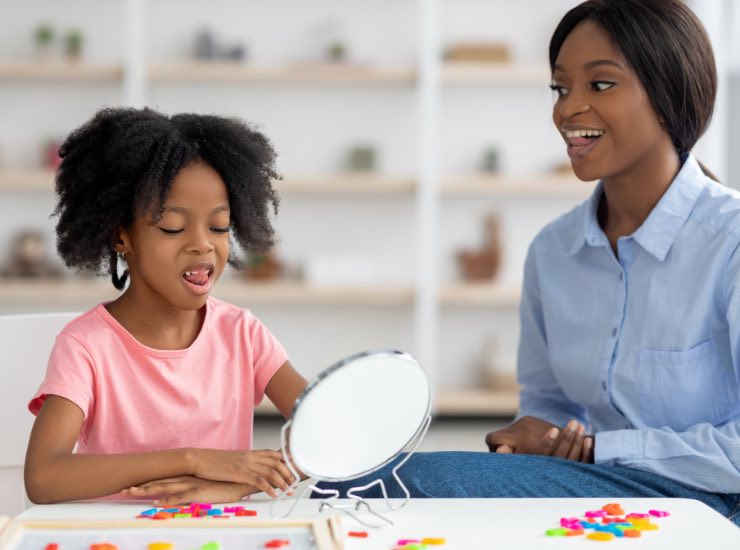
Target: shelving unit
column 415, row 202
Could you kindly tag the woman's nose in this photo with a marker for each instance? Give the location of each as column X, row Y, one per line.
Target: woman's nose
column 572, row 104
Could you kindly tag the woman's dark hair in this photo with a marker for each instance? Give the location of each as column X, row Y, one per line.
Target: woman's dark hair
column 669, row 50
column 122, row 162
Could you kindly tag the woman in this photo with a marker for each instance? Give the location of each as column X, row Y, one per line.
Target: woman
column 630, row 316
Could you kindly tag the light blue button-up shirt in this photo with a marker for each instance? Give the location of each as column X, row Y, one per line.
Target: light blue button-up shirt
column 643, row 347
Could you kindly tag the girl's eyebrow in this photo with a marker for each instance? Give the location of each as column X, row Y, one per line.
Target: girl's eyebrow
column 182, row 210
column 591, row 64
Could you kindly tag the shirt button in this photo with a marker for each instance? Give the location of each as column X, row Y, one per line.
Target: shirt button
column 603, row 386
column 614, row 331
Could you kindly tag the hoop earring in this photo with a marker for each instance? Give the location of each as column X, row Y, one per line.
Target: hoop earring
column 122, row 255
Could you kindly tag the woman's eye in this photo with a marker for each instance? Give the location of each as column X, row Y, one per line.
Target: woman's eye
column 220, row 229
column 559, row 90
column 601, row 85
column 170, row 231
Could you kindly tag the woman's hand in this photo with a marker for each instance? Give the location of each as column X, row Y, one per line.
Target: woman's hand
column 264, row 469
column 187, row 489
column 530, row 435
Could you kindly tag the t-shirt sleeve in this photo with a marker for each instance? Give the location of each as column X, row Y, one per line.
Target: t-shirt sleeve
column 69, row 374
column 268, row 355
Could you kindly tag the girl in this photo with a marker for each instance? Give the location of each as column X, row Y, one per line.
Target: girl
column 630, row 315
column 157, row 388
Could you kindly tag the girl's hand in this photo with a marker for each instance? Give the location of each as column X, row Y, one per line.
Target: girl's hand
column 186, row 489
column 264, row 470
column 530, row 435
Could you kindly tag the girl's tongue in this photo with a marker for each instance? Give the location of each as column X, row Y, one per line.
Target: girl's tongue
column 199, row 277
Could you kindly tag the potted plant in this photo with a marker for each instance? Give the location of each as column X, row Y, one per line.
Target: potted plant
column 43, row 39
column 73, row 42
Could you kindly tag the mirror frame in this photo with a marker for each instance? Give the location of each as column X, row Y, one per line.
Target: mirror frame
column 423, row 422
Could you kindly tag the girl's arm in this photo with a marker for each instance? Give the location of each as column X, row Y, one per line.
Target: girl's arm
column 53, row 473
column 284, row 388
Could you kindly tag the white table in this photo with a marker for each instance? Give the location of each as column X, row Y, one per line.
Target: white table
column 479, row 523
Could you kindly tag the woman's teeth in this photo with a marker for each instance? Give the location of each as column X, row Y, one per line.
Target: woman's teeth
column 583, row 133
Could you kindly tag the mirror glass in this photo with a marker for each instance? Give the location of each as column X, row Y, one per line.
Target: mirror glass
column 357, row 415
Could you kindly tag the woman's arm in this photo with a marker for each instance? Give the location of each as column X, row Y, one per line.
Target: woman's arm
column 53, row 473
column 541, row 395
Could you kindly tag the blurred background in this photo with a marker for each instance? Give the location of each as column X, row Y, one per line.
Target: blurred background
column 416, row 146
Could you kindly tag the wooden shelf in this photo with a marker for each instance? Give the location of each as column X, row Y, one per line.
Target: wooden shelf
column 450, row 403
column 220, row 72
column 555, row 185
column 335, row 184
column 477, row 403
column 346, row 184
column 96, row 290
column 58, row 71
column 494, row 73
column 36, row 179
column 479, row 294
column 54, row 292
column 297, row 293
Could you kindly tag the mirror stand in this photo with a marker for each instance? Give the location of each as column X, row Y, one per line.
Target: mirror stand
column 332, row 495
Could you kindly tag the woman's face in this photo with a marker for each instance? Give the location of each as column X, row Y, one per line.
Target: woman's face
column 602, row 110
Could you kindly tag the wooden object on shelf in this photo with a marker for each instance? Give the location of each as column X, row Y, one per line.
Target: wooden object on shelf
column 28, row 259
column 483, row 264
column 264, row 267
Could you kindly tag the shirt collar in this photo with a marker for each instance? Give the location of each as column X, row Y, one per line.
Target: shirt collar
column 658, row 232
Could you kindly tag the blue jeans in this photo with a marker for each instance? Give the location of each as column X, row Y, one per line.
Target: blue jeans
column 457, row 474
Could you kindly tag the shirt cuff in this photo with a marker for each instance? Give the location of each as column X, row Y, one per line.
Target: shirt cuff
column 618, row 446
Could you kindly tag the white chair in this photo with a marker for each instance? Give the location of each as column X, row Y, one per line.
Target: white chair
column 25, row 344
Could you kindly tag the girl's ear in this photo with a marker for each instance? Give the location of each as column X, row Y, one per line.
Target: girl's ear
column 121, row 241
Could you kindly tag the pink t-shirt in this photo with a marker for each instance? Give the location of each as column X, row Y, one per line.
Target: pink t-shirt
column 138, row 399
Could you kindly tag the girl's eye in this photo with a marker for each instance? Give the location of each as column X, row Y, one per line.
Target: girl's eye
column 170, row 231
column 220, row 229
column 560, row 90
column 601, row 85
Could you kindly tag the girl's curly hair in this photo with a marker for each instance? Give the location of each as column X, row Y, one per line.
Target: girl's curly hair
column 121, row 163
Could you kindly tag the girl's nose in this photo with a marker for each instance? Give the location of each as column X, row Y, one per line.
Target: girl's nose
column 199, row 242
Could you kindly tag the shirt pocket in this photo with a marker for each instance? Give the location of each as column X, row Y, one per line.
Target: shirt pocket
column 678, row 389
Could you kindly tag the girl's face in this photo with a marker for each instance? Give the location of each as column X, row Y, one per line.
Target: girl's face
column 602, row 110
column 179, row 258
